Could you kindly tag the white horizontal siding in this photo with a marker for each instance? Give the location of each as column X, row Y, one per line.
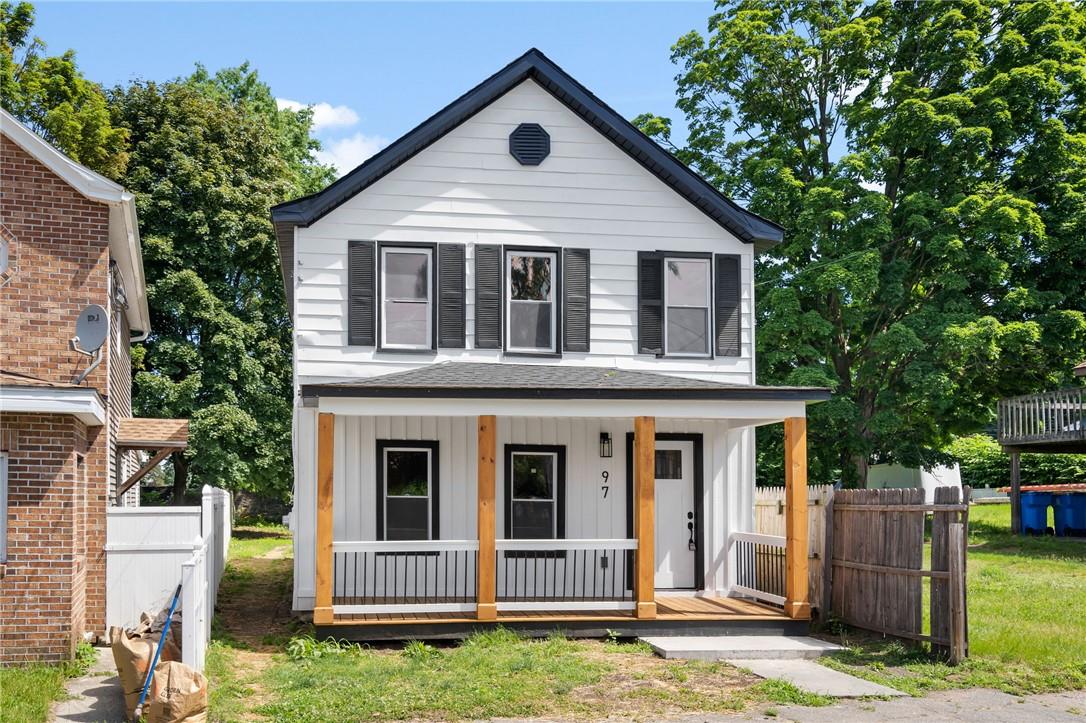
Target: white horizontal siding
column 466, row 188
column 728, row 475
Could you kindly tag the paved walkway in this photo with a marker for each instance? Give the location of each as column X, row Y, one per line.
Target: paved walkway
column 973, row 705
column 814, row 678
column 94, row 697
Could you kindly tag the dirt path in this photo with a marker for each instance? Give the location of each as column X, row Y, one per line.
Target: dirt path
column 253, row 615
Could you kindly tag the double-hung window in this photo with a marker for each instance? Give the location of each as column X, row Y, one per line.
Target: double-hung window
column 687, row 306
column 531, row 312
column 535, row 491
column 3, row 507
column 407, row 297
column 407, row 490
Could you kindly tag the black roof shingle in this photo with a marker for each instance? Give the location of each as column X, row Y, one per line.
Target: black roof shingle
column 473, row 379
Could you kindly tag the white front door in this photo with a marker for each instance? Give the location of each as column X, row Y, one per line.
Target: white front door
column 675, row 515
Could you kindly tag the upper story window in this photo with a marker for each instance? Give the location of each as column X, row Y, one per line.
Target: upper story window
column 406, row 298
column 687, row 304
column 531, row 311
column 5, row 259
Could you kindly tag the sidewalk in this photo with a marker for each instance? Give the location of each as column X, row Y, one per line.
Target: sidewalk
column 95, row 696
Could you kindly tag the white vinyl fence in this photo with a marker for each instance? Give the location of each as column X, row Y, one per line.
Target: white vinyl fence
column 150, row 550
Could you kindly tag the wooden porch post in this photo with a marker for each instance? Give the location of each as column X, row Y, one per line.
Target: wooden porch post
column 645, row 517
column 796, row 604
column 485, row 606
column 326, row 428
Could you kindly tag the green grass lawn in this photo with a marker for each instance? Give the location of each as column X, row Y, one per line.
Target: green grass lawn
column 27, row 692
column 1026, row 598
column 276, row 670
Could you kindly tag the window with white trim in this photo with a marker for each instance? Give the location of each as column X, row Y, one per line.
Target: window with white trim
column 535, row 494
column 3, row 507
column 687, row 306
column 407, row 297
column 407, row 490
column 530, row 306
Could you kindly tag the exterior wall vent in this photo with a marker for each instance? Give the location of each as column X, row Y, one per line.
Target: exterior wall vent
column 529, row 144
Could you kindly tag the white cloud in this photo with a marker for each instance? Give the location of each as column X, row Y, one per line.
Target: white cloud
column 325, row 115
column 347, row 153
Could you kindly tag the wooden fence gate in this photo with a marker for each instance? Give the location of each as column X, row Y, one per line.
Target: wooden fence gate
column 769, row 520
column 877, row 565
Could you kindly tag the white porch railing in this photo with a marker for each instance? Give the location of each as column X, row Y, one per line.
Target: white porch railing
column 417, row 576
column 759, row 566
column 565, row 574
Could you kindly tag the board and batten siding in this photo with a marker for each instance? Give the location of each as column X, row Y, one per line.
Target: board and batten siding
column 466, row 188
column 728, row 459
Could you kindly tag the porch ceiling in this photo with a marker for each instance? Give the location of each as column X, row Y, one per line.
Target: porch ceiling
column 459, row 388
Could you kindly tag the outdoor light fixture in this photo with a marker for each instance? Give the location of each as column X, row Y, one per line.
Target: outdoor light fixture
column 605, row 444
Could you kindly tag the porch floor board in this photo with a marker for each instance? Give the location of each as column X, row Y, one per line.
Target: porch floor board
column 668, row 607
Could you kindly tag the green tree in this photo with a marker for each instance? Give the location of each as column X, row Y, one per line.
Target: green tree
column 928, row 162
column 209, row 156
column 52, row 97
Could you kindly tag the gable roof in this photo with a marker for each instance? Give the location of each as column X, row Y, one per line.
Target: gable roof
column 747, row 226
column 549, row 381
column 124, row 234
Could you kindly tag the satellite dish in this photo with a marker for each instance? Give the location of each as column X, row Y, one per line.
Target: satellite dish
column 92, row 328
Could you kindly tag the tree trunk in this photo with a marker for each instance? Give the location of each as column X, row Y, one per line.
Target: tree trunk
column 860, row 465
column 180, row 478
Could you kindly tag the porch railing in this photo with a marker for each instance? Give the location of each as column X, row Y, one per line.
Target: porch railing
column 760, row 566
column 565, row 574
column 415, row 576
column 1058, row 416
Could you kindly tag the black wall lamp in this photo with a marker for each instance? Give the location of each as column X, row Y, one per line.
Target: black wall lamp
column 605, row 444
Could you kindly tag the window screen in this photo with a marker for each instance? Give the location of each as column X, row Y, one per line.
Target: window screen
column 533, row 504
column 687, row 304
column 531, row 304
column 406, row 311
column 407, row 475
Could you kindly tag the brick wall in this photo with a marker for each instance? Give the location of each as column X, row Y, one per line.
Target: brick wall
column 42, row 595
column 60, row 258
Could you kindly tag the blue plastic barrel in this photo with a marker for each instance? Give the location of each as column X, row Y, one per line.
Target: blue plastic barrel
column 1063, row 513
column 1035, row 512
column 1076, row 504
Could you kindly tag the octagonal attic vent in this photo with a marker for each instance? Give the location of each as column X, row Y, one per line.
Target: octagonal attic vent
column 529, row 144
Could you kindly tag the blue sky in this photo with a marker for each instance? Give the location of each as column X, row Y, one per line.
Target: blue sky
column 380, row 69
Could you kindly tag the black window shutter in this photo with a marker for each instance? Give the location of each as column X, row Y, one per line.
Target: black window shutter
column 726, row 295
column 575, row 314
column 488, row 297
column 650, row 303
column 361, row 293
column 450, row 296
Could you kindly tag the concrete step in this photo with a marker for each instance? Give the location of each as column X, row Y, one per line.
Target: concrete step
column 740, row 647
column 814, row 678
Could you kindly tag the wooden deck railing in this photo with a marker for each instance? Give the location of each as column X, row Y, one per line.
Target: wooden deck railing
column 1058, row 416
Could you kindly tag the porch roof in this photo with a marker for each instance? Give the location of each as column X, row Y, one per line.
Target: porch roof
column 151, row 433
column 471, row 380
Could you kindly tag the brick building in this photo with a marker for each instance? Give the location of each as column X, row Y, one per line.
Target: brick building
column 68, row 239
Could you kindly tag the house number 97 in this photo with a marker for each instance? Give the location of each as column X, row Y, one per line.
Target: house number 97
column 605, row 486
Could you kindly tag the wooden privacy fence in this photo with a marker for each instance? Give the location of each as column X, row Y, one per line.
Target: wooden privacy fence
column 769, row 520
column 877, row 565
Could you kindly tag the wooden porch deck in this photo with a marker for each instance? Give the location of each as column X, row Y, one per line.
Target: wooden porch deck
column 668, row 607
column 675, row 615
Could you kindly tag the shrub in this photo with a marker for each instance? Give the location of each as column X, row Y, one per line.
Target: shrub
column 984, row 464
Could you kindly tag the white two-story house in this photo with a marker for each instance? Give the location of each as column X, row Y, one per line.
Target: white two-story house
column 524, row 381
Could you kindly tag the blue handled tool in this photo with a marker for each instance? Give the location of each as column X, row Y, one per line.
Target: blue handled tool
column 158, row 652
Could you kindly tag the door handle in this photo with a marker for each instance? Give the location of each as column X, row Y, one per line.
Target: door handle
column 690, row 526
